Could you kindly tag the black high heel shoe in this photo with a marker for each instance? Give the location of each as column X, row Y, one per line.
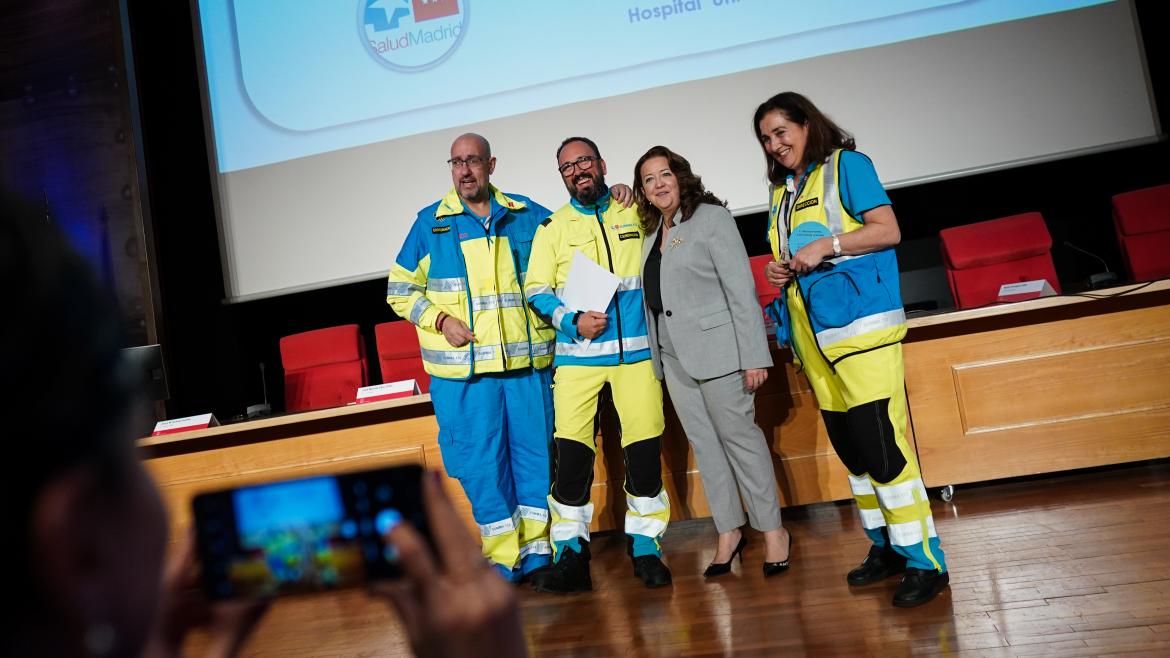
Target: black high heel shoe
column 720, row 568
column 773, row 568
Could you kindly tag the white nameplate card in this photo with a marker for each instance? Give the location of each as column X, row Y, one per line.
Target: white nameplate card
column 1016, row 292
column 202, row 421
column 376, row 393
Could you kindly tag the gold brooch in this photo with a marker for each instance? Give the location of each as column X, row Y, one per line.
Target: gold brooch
column 676, row 242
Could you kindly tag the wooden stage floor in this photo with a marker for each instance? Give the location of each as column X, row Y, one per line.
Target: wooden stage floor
column 1071, row 565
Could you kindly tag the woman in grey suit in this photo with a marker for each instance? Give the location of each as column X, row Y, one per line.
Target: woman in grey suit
column 707, row 338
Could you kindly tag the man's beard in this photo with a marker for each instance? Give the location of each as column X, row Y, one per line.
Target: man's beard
column 589, row 196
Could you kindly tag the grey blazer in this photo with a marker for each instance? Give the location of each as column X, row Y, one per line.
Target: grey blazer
column 709, row 300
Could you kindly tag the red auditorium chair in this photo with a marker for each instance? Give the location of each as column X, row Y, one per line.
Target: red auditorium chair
column 1142, row 219
column 399, row 354
column 764, row 290
column 323, row 368
column 981, row 257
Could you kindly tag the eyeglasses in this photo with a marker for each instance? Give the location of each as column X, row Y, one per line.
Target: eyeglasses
column 583, row 163
column 473, row 162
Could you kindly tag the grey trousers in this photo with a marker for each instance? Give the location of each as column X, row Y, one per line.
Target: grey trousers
column 718, row 416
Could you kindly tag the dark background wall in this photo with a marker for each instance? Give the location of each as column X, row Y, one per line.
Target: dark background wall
column 213, row 350
column 66, row 140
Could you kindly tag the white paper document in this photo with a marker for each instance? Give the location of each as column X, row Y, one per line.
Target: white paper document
column 589, row 286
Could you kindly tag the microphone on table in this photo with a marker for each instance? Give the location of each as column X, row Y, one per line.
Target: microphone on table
column 261, row 409
column 1100, row 279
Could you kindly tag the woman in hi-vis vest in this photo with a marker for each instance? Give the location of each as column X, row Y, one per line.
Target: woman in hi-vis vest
column 833, row 232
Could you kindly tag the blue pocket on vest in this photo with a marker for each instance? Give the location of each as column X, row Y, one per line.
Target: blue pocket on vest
column 833, row 298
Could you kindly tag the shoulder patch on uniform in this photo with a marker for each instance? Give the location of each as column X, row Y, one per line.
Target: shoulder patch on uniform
column 547, row 221
column 807, row 203
column 440, row 229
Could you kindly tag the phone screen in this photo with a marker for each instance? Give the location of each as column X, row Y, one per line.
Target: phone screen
column 305, row 535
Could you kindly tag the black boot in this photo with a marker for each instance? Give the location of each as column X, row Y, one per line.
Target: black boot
column 651, row 570
column 881, row 563
column 919, row 586
column 570, row 573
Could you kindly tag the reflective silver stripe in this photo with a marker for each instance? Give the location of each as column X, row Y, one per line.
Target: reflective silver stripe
column 602, row 349
column 774, row 223
column 459, row 357
column 861, row 326
column 511, row 300
column 538, row 290
column 454, row 284
column 901, row 495
column 569, row 521
column 630, row 283
column 543, row 349
column 401, row 288
column 533, row 513
column 420, row 306
column 486, row 352
column 910, row 533
column 500, row 527
column 860, row 485
column 636, row 343
column 536, row 547
column 871, row 519
column 578, row 513
column 447, row 357
column 647, row 526
column 559, row 292
column 832, row 200
column 517, row 349
column 568, row 530
column 559, row 315
column 491, row 302
column 646, row 506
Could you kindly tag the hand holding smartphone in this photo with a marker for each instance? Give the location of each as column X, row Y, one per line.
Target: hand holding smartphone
column 305, row 535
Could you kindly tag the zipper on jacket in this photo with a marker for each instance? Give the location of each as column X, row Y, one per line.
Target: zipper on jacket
column 454, row 232
column 617, row 307
column 494, row 255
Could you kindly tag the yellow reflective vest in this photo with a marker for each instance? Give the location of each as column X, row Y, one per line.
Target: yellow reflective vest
column 452, row 262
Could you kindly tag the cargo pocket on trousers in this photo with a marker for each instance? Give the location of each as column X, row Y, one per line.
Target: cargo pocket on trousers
column 454, row 450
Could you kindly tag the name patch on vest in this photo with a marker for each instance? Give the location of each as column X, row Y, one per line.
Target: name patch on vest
column 630, row 235
column 807, row 203
column 440, row 229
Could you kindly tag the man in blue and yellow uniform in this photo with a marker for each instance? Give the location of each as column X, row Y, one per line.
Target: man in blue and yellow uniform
column 459, row 279
column 594, row 349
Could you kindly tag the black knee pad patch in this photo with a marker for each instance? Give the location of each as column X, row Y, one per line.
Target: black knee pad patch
column 837, row 425
column 573, row 472
column 873, row 436
column 644, row 468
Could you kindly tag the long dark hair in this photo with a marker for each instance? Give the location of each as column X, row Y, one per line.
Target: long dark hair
column 823, row 135
column 690, row 188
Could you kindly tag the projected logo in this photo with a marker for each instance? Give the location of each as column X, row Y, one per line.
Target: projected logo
column 412, row 35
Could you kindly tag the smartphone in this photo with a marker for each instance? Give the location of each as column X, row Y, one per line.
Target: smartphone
column 305, row 535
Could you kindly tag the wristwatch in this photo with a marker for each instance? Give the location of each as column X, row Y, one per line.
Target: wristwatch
column 576, row 316
column 836, row 246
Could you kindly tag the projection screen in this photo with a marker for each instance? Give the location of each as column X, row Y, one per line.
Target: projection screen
column 329, row 123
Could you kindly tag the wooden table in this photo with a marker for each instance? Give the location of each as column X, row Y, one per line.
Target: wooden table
column 1039, row 386
column 1015, row 389
column 404, row 430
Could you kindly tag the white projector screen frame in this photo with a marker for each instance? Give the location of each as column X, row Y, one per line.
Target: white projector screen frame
column 941, row 106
